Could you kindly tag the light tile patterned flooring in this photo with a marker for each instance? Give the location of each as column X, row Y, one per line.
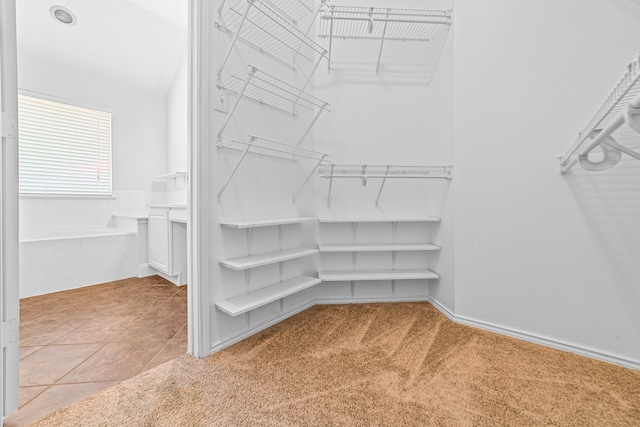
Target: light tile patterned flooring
column 76, row 343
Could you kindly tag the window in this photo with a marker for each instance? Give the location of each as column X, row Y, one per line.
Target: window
column 64, row 149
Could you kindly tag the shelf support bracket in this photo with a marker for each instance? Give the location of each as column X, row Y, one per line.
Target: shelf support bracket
column 330, row 185
column 384, row 180
column 295, row 196
column 313, row 122
column 235, row 36
column 315, row 67
column 244, row 153
column 384, row 32
column 235, row 105
column 330, row 39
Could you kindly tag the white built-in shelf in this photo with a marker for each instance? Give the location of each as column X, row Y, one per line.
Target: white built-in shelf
column 244, row 263
column 380, row 247
column 173, row 175
column 355, row 275
column 254, row 299
column 265, row 222
column 350, row 220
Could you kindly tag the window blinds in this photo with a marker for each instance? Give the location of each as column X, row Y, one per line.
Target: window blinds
column 63, row 149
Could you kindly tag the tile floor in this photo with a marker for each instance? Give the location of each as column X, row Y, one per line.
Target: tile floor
column 76, row 343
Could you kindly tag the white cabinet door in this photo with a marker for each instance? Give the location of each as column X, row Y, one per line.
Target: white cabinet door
column 159, row 240
column 9, row 303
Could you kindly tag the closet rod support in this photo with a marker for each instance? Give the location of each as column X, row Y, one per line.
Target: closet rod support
column 384, row 180
column 330, row 186
column 567, row 163
column 295, row 196
column 315, row 67
column 244, row 153
column 384, row 33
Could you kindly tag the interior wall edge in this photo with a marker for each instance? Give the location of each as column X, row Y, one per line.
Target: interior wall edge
column 537, row 339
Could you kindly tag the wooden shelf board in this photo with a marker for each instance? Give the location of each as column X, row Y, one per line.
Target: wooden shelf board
column 346, row 276
column 380, row 247
column 264, row 222
column 347, row 220
column 254, row 299
column 244, row 263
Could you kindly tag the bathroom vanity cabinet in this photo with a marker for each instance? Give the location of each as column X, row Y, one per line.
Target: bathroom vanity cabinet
column 168, row 241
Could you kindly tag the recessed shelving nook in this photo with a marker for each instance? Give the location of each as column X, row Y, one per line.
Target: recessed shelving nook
column 255, row 298
column 392, row 247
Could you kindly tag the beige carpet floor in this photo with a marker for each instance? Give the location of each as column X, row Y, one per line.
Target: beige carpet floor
column 368, row 365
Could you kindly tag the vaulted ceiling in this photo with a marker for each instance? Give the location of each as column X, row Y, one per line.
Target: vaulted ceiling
column 137, row 42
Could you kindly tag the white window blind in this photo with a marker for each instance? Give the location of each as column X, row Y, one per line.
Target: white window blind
column 64, row 149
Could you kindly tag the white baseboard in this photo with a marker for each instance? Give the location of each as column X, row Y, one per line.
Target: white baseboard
column 145, row 270
column 371, row 300
column 259, row 327
column 582, row 351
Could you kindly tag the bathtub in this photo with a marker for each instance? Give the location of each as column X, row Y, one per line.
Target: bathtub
column 53, row 261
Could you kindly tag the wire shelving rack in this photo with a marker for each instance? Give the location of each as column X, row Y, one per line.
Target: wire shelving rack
column 382, row 24
column 384, row 172
column 619, row 114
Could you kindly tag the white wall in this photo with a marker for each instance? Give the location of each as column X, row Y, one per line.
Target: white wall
column 547, row 255
column 177, row 120
column 138, row 138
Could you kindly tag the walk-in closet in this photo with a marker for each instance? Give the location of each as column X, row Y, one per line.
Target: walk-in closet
column 331, row 185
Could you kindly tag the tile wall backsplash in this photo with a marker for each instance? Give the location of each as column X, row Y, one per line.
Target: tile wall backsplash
column 53, row 213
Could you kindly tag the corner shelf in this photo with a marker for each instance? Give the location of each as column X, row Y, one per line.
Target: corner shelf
column 382, row 24
column 253, row 261
column 265, row 222
column 380, row 247
column 359, row 275
column 254, row 299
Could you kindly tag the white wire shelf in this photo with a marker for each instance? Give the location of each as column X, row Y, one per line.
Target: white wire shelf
column 384, row 172
column 619, row 114
column 266, row 147
column 265, row 89
column 271, row 29
column 271, row 148
column 382, row 24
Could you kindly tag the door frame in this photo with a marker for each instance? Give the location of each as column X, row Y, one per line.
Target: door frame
column 198, row 225
column 9, row 290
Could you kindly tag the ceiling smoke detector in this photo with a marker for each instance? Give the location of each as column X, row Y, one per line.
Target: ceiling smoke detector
column 63, row 15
